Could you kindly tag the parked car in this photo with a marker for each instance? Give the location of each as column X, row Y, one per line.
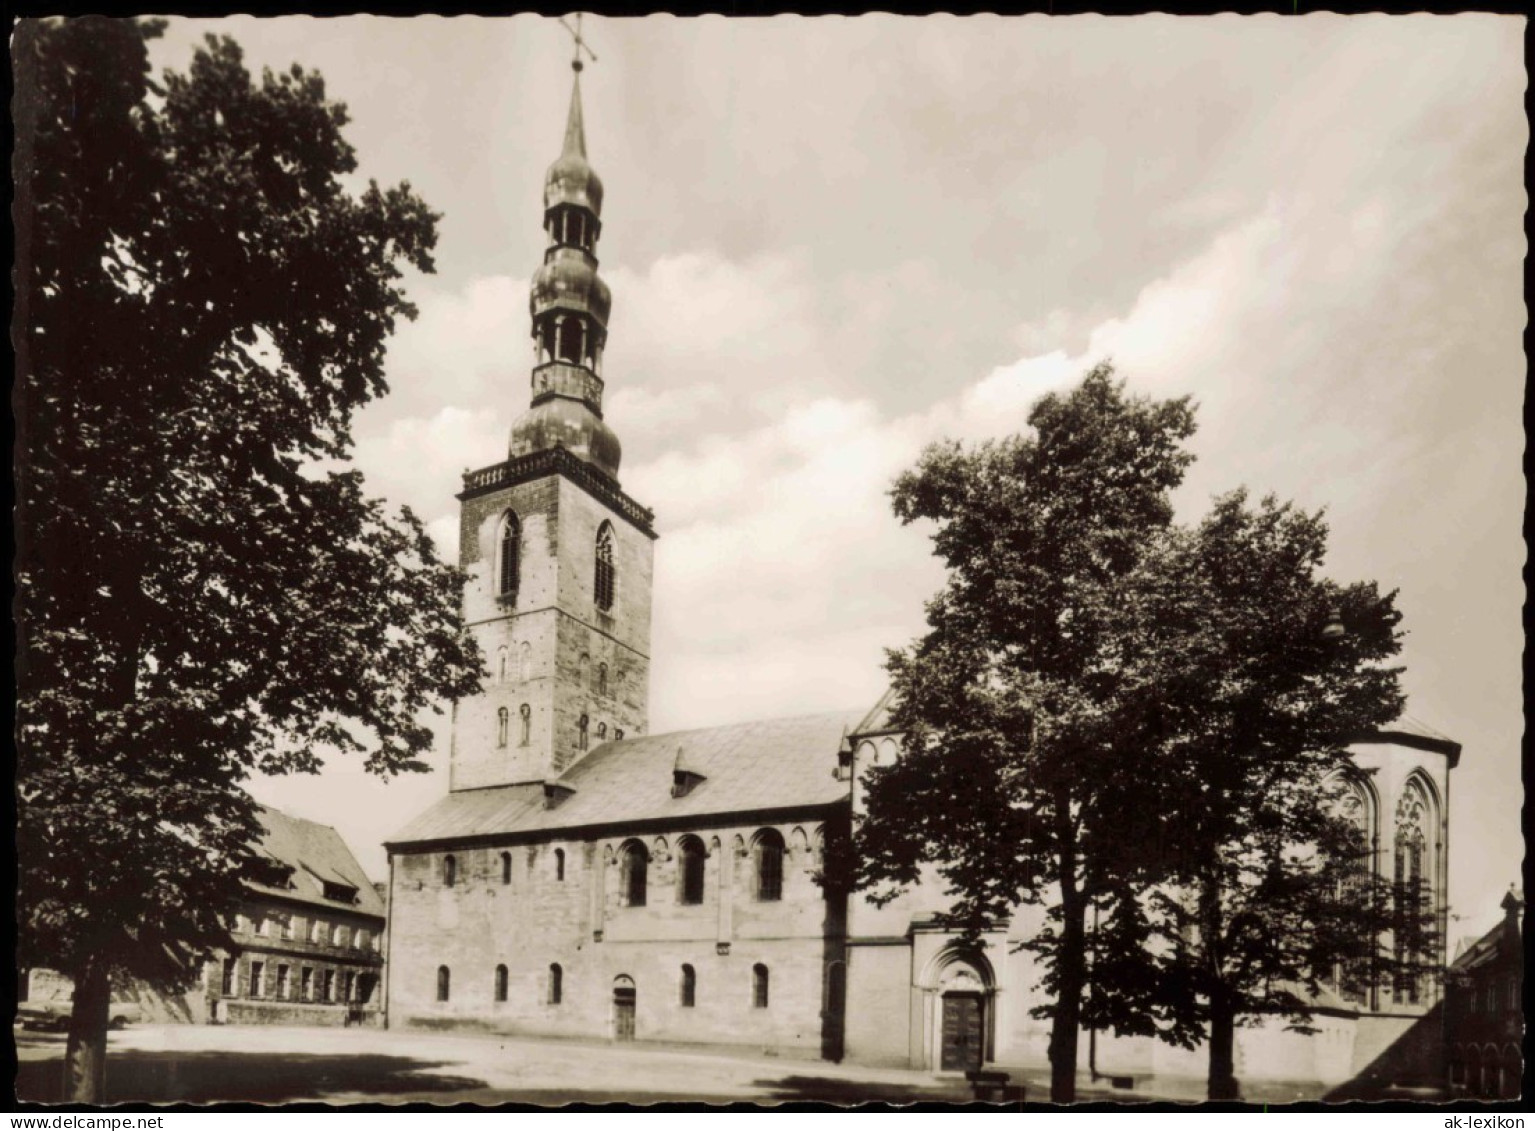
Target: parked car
column 53, row 1016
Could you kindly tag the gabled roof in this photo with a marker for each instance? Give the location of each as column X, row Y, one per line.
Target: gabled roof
column 315, row 853
column 1408, row 731
column 748, row 767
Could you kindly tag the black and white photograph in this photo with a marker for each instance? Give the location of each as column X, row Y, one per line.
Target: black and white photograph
column 785, row 561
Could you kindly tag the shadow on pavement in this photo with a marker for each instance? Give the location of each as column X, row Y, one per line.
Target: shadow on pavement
column 830, row 1090
column 136, row 1076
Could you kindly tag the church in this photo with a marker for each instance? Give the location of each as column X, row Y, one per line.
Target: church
column 585, row 878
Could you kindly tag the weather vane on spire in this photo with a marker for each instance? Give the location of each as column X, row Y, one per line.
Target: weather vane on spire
column 580, row 44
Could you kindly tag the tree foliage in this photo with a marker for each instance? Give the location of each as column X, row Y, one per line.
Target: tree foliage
column 1019, row 781
column 205, row 589
column 1134, row 724
column 1271, row 895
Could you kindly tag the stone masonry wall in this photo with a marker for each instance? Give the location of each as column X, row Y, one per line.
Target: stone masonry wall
column 537, row 920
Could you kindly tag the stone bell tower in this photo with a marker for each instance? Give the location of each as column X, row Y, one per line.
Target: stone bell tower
column 558, row 557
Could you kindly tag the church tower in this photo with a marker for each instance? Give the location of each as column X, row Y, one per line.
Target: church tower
column 558, row 557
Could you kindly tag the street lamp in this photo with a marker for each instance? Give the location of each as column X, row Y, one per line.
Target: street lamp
column 1334, row 629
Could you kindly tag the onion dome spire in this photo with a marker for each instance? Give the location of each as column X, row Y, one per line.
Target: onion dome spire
column 569, row 305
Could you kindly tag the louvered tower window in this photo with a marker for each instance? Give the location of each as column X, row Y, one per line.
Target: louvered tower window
column 509, row 573
column 605, row 577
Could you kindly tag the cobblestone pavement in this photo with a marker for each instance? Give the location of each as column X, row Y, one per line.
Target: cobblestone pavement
column 207, row 1064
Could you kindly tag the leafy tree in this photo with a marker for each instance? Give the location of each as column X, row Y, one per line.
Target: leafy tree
column 1227, row 639
column 205, row 589
column 1020, row 782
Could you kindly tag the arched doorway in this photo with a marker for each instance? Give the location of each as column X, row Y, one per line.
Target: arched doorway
column 623, row 1008
column 960, row 1006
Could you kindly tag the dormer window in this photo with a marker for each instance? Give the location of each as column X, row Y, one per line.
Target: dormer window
column 556, row 793
column 685, row 776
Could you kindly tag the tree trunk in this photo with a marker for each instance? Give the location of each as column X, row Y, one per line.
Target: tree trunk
column 1070, row 961
column 85, row 1060
column 1222, row 1084
column 1070, row 966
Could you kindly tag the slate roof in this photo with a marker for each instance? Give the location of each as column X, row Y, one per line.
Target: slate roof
column 773, row 764
column 315, row 853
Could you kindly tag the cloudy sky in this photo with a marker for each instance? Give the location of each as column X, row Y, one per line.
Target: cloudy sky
column 833, row 240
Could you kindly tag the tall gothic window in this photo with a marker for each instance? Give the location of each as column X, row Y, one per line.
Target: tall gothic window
column 509, row 569
column 1414, row 885
column 769, row 860
column 636, row 867
column 605, row 578
column 690, row 872
column 503, row 721
column 1354, row 803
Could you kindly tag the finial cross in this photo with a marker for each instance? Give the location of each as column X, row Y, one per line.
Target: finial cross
column 580, row 44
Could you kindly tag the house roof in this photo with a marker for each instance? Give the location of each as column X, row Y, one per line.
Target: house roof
column 315, row 853
column 746, row 767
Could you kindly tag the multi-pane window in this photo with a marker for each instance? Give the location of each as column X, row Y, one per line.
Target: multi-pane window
column 605, row 576
column 258, row 979
column 443, row 983
column 500, row 983
column 769, row 853
column 636, row 866
column 759, row 986
column 556, row 983
column 509, row 569
column 305, row 984
column 689, row 986
column 227, row 983
column 361, row 941
column 287, row 926
column 282, row 983
column 348, row 985
column 691, row 870
column 328, row 986
column 315, row 927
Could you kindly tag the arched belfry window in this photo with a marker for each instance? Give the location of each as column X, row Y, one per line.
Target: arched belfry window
column 525, row 714
column 509, row 567
column 583, row 732
column 605, row 573
column 503, row 723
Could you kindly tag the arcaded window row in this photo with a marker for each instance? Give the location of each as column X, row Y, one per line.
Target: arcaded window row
column 554, row 985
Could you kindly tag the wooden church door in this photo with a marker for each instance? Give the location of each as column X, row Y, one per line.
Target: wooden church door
column 962, row 1035
column 623, row 1013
